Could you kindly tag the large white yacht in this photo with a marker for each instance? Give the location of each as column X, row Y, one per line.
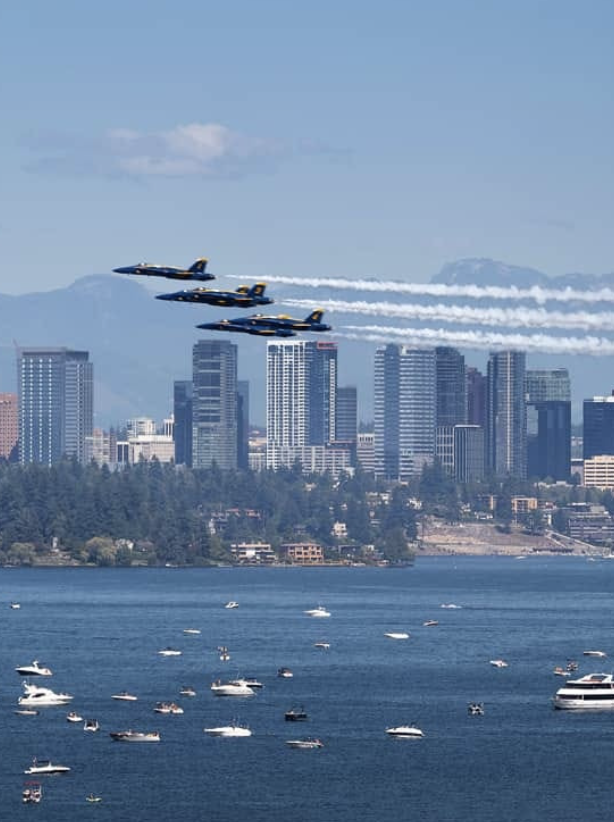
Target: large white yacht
column 231, row 689
column 593, row 691
column 44, row 766
column 34, row 670
column 34, row 696
column 229, row 730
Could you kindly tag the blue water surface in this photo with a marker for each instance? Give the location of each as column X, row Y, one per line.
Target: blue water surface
column 100, row 631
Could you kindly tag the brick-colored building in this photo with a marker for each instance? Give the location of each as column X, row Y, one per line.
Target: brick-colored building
column 303, row 553
column 9, row 424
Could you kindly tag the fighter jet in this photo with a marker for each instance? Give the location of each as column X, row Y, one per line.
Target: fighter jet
column 194, row 272
column 262, row 325
column 243, row 297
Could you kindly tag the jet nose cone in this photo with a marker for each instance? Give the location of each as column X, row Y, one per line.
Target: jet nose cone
column 124, row 270
column 164, row 296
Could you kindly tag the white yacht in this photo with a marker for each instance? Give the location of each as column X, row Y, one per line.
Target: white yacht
column 169, row 652
column 231, row 689
column 124, row 696
column 593, row 691
column 408, row 731
column 35, row 696
column 232, row 730
column 45, row 766
column 396, row 635
column 34, row 670
column 320, row 611
column 135, row 736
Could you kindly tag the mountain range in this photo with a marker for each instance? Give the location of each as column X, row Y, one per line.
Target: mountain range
column 140, row 345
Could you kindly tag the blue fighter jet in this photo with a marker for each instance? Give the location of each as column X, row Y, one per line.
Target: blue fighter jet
column 266, row 326
column 243, row 297
column 194, row 272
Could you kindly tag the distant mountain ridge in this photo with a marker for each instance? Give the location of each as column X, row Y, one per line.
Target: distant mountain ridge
column 484, row 271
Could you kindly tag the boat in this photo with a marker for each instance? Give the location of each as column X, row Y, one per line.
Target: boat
column 593, row 691
column 285, row 673
column 124, row 696
column 228, row 731
column 475, row 709
column 224, row 653
column 45, row 767
column 405, row 731
column 251, row 682
column 558, row 671
column 498, row 663
column 35, row 696
column 169, row 652
column 572, row 665
column 32, row 793
column 135, row 736
column 191, row 631
column 34, row 670
column 232, row 604
column 305, row 743
column 27, row 712
column 296, row 715
column 93, row 798
column 451, row 606
column 320, row 611
column 229, row 689
column 324, row 645
column 599, row 654
column 187, row 690
column 15, row 606
column 168, row 708
column 396, row 635
column 430, row 623
column 91, row 725
column 73, row 716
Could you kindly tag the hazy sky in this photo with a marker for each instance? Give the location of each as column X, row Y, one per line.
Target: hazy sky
column 344, row 137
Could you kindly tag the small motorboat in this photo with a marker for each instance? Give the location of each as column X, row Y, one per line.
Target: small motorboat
column 135, row 736
column 187, row 690
column 93, row 798
column 32, row 793
column 26, row 712
column 558, row 671
column 224, row 653
column 124, row 696
column 231, row 605
column 296, row 715
column 285, row 673
column 475, row 709
column 45, row 767
column 572, row 665
column 430, row 623
column 320, row 611
column 73, row 716
column 169, row 652
column 193, row 631
column 91, row 725
column 34, row 670
column 405, row 731
column 305, row 744
column 324, row 645
column 451, row 606
column 15, row 606
column 600, row 654
column 168, row 708
column 396, row 635
column 229, row 689
column 498, row 663
column 229, row 731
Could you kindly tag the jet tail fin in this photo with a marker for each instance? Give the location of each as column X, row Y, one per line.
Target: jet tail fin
column 257, row 290
column 315, row 316
column 199, row 266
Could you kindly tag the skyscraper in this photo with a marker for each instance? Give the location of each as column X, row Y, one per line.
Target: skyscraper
column 55, row 404
column 386, row 412
column 182, row 411
column 9, row 426
column 214, row 404
column 243, row 424
column 476, row 397
column 347, row 414
column 548, row 395
column 451, row 386
column 598, row 426
column 506, row 414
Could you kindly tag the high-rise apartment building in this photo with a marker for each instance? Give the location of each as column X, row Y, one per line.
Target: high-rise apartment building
column 405, row 410
column 548, row 396
column 506, row 414
column 214, row 404
column 182, row 412
column 9, row 426
column 598, row 433
column 243, row 424
column 451, row 386
column 55, row 404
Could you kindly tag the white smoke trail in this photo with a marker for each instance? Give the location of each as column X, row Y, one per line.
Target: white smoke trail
column 536, row 293
column 467, row 315
column 531, row 343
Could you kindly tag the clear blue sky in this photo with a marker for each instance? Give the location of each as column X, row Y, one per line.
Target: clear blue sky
column 348, row 137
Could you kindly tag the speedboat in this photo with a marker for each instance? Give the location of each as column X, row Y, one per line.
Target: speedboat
column 91, row 725
column 498, row 663
column 93, row 798
column 320, row 611
column 169, row 652
column 451, row 606
column 296, row 715
column 323, row 645
column 233, row 729
column 285, row 673
column 187, row 690
column 232, row 604
column 15, row 606
column 42, row 767
column 224, row 653
column 191, row 631
column 475, row 709
column 593, row 691
column 406, row 731
column 32, row 793
column 396, row 635
column 26, row 712
column 34, row 670
column 135, row 736
column 430, row 623
column 558, row 671
column 305, row 743
column 168, row 708
column 230, row 689
column 124, row 696
column 73, row 716
column 599, row 654
column 35, row 696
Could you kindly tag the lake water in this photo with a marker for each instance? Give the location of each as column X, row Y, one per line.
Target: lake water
column 100, row 630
